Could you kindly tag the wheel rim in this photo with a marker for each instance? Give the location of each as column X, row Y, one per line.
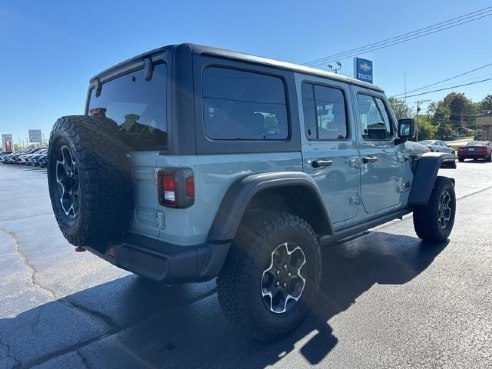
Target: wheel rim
column 67, row 177
column 282, row 283
column 445, row 210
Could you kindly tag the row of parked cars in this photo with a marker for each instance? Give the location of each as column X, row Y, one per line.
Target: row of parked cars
column 35, row 157
column 473, row 150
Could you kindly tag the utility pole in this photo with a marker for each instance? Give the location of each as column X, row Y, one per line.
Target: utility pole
column 405, row 86
column 417, row 119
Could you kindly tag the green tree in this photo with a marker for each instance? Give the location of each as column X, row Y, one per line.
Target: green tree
column 439, row 113
column 427, row 130
column 439, row 116
column 486, row 103
column 462, row 111
column 454, row 112
column 400, row 107
column 444, row 131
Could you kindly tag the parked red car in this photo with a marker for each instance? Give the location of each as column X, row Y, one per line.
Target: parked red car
column 476, row 150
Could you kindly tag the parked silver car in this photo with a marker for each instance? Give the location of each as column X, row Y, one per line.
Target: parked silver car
column 438, row 146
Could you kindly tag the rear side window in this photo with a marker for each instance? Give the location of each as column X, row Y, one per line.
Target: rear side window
column 374, row 118
column 324, row 112
column 137, row 105
column 240, row 105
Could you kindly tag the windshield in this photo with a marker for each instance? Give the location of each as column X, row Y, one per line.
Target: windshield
column 138, row 106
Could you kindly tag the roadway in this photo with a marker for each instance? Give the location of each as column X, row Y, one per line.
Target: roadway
column 386, row 300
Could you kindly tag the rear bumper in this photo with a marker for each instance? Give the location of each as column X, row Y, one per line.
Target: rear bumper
column 472, row 155
column 165, row 262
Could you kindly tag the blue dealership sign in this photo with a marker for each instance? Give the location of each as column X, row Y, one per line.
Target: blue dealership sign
column 363, row 70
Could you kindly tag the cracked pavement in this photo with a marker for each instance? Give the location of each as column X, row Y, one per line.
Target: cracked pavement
column 385, row 300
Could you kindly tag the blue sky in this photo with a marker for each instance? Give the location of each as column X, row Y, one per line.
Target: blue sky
column 50, row 49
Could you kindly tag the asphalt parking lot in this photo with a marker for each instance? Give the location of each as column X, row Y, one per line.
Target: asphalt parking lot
column 386, row 301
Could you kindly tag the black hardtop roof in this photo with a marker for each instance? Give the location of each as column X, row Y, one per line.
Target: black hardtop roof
column 207, row 50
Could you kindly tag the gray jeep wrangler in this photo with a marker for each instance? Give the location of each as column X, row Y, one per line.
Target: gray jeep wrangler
column 192, row 163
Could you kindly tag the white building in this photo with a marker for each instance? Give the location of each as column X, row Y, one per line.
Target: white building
column 485, row 124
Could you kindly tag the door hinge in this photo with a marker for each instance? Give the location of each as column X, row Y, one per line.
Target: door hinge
column 354, row 200
column 355, row 163
column 405, row 187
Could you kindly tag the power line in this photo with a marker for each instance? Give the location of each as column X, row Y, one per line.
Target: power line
column 399, row 39
column 454, row 22
column 450, row 88
column 384, row 46
column 444, row 80
column 466, row 80
column 438, row 27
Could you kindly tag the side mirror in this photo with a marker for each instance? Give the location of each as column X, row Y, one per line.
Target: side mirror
column 406, row 128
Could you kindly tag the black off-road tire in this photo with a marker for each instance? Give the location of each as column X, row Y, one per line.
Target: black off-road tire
column 101, row 167
column 461, row 160
column 239, row 284
column 428, row 220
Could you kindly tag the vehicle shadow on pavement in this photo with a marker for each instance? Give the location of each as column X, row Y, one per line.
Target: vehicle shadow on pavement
column 353, row 267
column 130, row 323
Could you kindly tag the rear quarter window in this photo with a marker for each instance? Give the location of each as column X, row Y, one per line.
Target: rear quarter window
column 240, row 105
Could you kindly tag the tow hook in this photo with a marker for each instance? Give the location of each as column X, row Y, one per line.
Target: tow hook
column 79, row 249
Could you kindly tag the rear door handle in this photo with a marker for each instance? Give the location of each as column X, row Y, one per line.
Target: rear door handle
column 369, row 159
column 321, row 163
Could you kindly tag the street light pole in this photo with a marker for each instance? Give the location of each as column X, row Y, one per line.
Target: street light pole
column 332, row 69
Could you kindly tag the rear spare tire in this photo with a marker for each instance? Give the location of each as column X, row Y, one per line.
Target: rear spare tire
column 89, row 178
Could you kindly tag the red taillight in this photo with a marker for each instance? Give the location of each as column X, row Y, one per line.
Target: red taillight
column 168, row 196
column 176, row 187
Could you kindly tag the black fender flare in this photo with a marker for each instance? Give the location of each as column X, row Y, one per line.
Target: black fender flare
column 240, row 193
column 425, row 175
